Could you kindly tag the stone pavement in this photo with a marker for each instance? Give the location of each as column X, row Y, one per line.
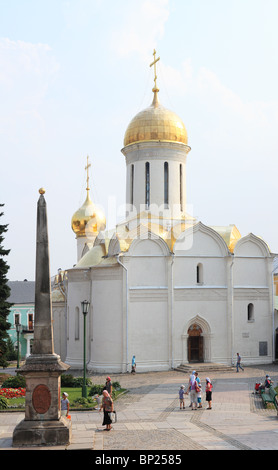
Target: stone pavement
column 149, row 417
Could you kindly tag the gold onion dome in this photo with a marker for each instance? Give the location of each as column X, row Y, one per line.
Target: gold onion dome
column 156, row 123
column 88, row 220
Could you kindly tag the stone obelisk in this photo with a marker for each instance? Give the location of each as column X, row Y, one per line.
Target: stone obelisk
column 43, row 424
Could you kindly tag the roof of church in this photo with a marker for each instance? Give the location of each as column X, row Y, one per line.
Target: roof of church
column 99, row 254
column 156, row 123
column 22, row 292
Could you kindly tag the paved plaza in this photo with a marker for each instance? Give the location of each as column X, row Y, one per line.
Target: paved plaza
column 149, row 417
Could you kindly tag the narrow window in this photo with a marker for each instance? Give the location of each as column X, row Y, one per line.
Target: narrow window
column 250, row 312
column 76, row 322
column 199, row 274
column 131, row 184
column 181, row 192
column 166, row 185
column 147, row 179
column 17, row 319
column 30, row 322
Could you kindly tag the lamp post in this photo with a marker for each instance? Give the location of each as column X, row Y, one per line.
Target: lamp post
column 85, row 309
column 17, row 326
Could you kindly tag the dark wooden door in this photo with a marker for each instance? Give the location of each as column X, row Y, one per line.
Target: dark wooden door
column 195, row 349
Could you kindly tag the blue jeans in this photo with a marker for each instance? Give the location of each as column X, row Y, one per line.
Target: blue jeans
column 238, row 365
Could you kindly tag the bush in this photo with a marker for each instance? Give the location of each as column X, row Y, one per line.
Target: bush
column 68, row 380
column 116, row 385
column 95, row 390
column 83, row 401
column 14, row 382
column 3, row 403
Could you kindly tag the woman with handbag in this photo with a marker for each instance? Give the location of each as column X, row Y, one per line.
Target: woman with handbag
column 108, row 407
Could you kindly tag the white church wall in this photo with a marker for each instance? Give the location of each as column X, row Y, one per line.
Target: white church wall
column 250, row 272
column 107, row 332
column 212, row 271
column 251, row 265
column 59, row 329
column 147, row 266
column 209, row 311
column 78, row 290
column 253, row 338
column 148, row 304
column 148, row 331
column 252, row 301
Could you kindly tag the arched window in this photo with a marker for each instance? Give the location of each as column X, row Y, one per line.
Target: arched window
column 250, row 312
column 77, row 322
column 199, row 273
column 166, row 184
column 132, row 185
column 147, row 185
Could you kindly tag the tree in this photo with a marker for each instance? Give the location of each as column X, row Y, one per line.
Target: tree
column 4, row 295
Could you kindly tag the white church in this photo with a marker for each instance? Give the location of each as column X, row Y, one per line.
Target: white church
column 162, row 286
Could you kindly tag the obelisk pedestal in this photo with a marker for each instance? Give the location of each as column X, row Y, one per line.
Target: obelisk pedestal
column 43, row 424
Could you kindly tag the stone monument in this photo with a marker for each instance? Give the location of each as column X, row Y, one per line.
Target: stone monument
column 43, row 424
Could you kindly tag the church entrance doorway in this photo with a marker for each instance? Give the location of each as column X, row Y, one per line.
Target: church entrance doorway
column 195, row 344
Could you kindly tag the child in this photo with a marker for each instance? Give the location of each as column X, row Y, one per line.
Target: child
column 208, row 392
column 64, row 405
column 181, row 396
column 98, row 400
column 199, row 395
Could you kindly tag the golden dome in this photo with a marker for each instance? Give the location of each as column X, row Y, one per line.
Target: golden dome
column 156, row 123
column 88, row 220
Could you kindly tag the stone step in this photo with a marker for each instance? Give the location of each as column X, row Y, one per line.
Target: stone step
column 203, row 367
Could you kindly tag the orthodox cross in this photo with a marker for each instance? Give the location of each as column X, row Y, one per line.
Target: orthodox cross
column 87, row 168
column 155, row 76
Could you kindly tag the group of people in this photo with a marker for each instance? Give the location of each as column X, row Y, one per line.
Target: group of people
column 194, row 390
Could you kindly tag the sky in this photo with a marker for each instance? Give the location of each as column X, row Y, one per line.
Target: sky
column 73, row 73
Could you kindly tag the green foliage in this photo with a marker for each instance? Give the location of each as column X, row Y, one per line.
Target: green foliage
column 83, row 401
column 3, row 403
column 11, row 354
column 116, row 385
column 96, row 389
column 4, row 295
column 17, row 381
column 68, row 380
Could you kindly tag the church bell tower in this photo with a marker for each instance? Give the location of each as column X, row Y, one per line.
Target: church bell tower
column 156, row 148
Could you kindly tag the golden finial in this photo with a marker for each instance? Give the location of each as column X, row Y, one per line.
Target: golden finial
column 41, row 190
column 87, row 169
column 155, row 89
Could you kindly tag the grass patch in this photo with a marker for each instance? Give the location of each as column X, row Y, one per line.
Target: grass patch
column 74, row 397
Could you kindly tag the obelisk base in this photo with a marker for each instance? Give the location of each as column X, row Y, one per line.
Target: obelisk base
column 43, row 424
column 42, row 433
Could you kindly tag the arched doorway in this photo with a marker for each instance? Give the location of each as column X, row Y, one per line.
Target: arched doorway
column 195, row 343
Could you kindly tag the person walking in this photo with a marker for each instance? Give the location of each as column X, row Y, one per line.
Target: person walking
column 108, row 407
column 238, row 362
column 209, row 392
column 133, row 365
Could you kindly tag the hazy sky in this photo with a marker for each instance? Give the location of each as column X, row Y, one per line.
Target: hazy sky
column 73, row 73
